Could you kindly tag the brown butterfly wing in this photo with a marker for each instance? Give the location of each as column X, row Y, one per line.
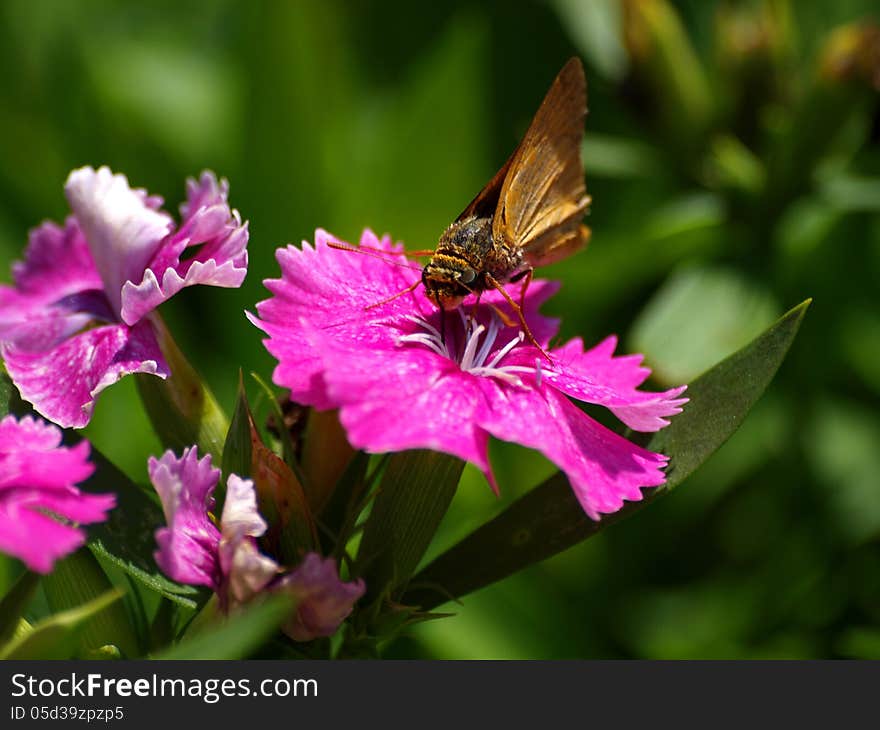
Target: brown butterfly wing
column 543, row 198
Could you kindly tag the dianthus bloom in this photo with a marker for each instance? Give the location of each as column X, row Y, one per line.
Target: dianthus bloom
column 40, row 504
column 77, row 319
column 404, row 379
column 227, row 559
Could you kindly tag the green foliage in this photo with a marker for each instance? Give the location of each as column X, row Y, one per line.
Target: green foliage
column 181, row 407
column 58, row 636
column 127, row 538
column 236, row 637
column 14, row 603
column 412, row 498
column 75, row 581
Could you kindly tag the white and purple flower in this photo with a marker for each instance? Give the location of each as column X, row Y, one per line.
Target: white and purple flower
column 40, row 504
column 226, row 558
column 403, row 379
column 78, row 316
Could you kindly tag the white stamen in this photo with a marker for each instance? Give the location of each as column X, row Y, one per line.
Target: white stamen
column 467, row 358
column 427, row 340
column 504, row 350
column 473, row 358
column 423, row 323
column 494, row 327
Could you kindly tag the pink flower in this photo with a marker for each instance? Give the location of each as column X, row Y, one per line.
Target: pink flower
column 77, row 319
column 39, row 502
column 227, row 558
column 323, row 601
column 400, row 384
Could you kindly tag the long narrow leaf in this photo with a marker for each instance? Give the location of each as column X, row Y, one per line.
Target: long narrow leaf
column 414, row 494
column 58, row 636
column 75, row 581
column 549, row 520
column 15, row 602
column 236, row 637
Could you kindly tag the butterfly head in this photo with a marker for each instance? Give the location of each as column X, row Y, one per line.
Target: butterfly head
column 445, row 285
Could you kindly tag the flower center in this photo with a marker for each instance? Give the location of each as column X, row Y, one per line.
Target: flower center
column 474, row 356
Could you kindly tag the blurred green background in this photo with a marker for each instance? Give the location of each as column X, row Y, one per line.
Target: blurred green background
column 733, row 155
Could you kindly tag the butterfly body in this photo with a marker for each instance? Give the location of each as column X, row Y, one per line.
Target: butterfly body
column 466, row 253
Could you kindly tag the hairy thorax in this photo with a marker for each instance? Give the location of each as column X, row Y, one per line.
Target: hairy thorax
column 465, row 255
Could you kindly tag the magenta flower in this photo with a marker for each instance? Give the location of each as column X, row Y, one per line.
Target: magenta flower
column 40, row 505
column 227, row 559
column 78, row 317
column 400, row 384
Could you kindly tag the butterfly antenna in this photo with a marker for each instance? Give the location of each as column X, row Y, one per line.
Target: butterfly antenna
column 375, row 253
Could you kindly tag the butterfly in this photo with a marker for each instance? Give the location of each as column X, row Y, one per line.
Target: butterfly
column 529, row 214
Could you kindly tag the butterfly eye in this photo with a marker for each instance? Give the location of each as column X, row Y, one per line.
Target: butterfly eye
column 467, row 276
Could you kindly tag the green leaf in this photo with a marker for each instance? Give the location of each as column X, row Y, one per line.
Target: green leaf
column 57, row 636
column 127, row 538
column 282, row 500
column 182, row 408
column 6, row 393
column 549, row 520
column 10, row 400
column 16, row 601
column 78, row 579
column 414, row 494
column 339, row 517
column 236, row 637
column 237, row 446
column 287, row 450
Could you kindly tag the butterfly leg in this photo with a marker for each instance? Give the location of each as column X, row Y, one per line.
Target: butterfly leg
column 519, row 313
column 394, row 296
column 527, row 276
column 476, row 304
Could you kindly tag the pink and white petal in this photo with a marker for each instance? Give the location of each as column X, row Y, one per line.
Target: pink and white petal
column 32, row 325
column 221, row 259
column 33, row 537
column 203, row 193
column 188, row 546
column 57, row 263
column 246, row 570
column 141, row 299
column 324, row 600
column 240, row 513
column 184, row 482
column 123, row 232
column 62, row 383
column 604, row 469
column 187, row 557
column 205, row 217
column 596, row 376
